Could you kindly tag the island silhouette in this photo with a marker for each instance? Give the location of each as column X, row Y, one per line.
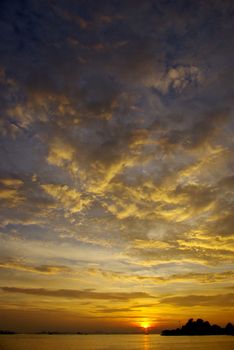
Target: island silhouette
column 200, row 327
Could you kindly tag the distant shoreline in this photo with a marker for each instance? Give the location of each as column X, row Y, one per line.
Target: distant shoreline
column 191, row 328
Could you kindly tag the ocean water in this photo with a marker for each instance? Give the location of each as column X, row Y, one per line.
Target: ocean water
column 114, row 342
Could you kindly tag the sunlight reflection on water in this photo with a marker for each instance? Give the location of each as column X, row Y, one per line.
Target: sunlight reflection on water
column 146, row 342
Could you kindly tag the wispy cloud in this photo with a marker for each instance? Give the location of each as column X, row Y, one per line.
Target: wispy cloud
column 201, row 300
column 41, row 269
column 78, row 294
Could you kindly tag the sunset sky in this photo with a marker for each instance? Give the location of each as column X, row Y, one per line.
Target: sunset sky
column 116, row 164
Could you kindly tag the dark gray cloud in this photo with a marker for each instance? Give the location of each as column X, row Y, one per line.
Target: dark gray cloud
column 199, row 134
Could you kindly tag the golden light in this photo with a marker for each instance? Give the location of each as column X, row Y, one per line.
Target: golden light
column 145, row 325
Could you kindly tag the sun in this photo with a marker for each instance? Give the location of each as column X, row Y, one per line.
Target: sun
column 145, row 325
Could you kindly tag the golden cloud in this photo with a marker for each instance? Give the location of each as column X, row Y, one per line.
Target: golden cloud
column 69, row 198
column 62, row 155
column 41, row 269
column 78, row 294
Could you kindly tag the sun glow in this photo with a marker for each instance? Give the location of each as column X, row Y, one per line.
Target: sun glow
column 145, row 325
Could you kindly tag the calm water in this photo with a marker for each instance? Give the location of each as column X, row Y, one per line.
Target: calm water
column 114, row 342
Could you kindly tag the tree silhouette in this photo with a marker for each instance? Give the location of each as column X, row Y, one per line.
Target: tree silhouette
column 200, row 327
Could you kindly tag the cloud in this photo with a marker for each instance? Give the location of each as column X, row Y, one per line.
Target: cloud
column 62, row 155
column 179, row 78
column 223, row 226
column 201, row 300
column 78, row 294
column 10, row 191
column 227, row 182
column 117, row 310
column 206, row 277
column 200, row 134
column 41, row 269
column 188, row 252
column 8, row 182
column 216, row 246
column 69, row 198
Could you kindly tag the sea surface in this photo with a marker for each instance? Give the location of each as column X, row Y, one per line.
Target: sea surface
column 114, row 342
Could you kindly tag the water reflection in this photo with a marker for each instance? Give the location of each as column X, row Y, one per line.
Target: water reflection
column 146, row 342
column 114, row 342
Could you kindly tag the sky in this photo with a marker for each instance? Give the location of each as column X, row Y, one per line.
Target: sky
column 116, row 164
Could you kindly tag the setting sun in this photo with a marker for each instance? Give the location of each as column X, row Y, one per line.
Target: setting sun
column 145, row 325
